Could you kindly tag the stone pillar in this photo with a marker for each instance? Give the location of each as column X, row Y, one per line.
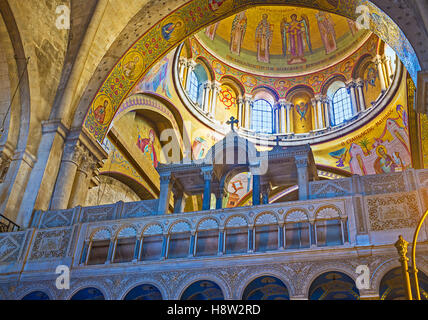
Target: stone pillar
column 248, row 100
column 192, row 246
column 71, row 160
column 165, row 192
column 327, row 109
column 276, row 119
column 221, row 242
column 350, row 85
column 315, row 114
column 182, row 65
column 265, row 193
column 178, row 199
column 256, row 190
column 361, row 98
column 282, row 106
column 190, row 66
column 219, row 199
column 379, row 64
column 206, row 96
column 251, row 236
column 206, row 203
column 82, row 180
column 288, row 106
column 312, row 234
column 240, row 112
column 320, row 121
column 281, row 236
column 215, row 88
column 302, row 177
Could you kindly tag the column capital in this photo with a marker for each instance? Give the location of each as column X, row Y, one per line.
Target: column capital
column 207, row 84
column 301, row 162
column 352, row 83
column 165, row 177
column 248, row 97
column 215, row 85
column 182, row 61
column 282, row 103
column 191, row 64
column 320, row 97
column 359, row 82
column 207, row 173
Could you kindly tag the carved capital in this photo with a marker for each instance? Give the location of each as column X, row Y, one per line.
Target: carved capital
column 301, row 162
column 165, row 177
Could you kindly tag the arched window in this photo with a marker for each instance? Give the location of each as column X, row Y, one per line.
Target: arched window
column 261, row 118
column 193, row 87
column 342, row 106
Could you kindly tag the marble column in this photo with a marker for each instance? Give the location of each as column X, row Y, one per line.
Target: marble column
column 219, row 199
column 315, row 114
column 206, row 203
column 265, row 189
column 361, row 98
column 276, row 109
column 215, row 88
column 70, row 162
column 84, row 174
column 190, row 66
column 379, row 64
column 302, row 177
column 182, row 65
column 240, row 111
column 165, row 192
column 320, row 121
column 206, row 96
column 178, row 195
column 327, row 109
column 248, row 100
column 388, row 70
column 282, row 117
column 350, row 85
column 288, row 106
column 256, row 190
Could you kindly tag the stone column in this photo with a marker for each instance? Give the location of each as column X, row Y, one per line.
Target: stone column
column 165, row 192
column 379, row 64
column 265, row 193
column 350, row 85
column 319, row 100
column 71, row 160
column 178, row 199
column 282, row 106
column 256, row 190
column 83, row 177
column 248, row 100
column 240, row 112
column 215, row 88
column 288, row 106
column 219, row 199
column 361, row 98
column 327, row 108
column 206, row 96
column 315, row 113
column 302, row 177
column 206, row 203
column 182, row 65
column 190, row 66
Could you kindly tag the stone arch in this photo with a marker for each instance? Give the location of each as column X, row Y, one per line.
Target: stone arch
column 203, row 224
column 266, row 217
column 206, row 65
column 285, row 295
column 361, row 65
column 236, row 221
column 120, row 231
column 270, row 272
column 328, row 212
column 101, row 233
column 153, row 228
column 336, row 267
column 262, row 91
column 42, row 289
column 330, row 80
column 180, row 226
column 212, row 277
column 234, row 83
column 296, row 215
column 134, row 286
column 90, row 285
column 225, row 10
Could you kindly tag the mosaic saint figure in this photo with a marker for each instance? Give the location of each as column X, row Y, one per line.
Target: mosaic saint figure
column 264, row 34
column 239, row 26
column 295, row 38
column 169, row 28
column 352, row 26
column 147, row 147
column 129, row 68
column 328, row 34
column 211, row 30
column 100, row 112
column 384, row 163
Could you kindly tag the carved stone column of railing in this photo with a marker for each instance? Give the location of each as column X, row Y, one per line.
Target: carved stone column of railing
column 215, row 89
column 326, row 102
column 241, row 108
column 351, row 86
column 71, row 160
column 312, row 233
column 361, row 98
column 379, row 64
column 318, row 107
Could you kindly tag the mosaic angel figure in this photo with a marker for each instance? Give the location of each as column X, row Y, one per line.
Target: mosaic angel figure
column 296, row 38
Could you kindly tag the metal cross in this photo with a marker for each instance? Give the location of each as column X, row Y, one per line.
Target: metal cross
column 232, row 122
column 278, row 139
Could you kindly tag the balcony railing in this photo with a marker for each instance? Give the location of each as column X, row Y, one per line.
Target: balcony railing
column 7, row 225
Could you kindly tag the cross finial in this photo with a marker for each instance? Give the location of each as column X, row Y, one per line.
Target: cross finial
column 232, row 122
column 278, row 139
